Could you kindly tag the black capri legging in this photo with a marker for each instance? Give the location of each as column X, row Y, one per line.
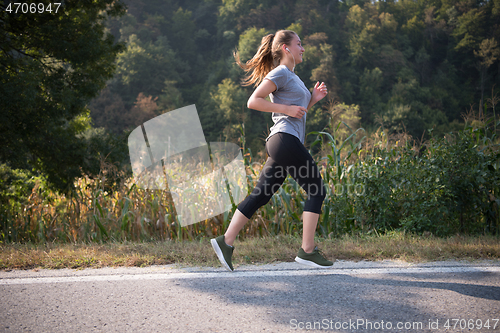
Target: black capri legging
column 287, row 155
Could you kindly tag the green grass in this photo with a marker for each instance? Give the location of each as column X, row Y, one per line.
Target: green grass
column 397, row 246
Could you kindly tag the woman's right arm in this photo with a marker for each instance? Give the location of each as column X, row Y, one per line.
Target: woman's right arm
column 258, row 101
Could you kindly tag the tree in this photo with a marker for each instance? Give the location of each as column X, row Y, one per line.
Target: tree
column 230, row 100
column 51, row 65
column 144, row 67
column 363, row 29
column 107, row 111
column 348, row 115
column 370, row 85
column 319, row 60
column 250, row 41
column 488, row 54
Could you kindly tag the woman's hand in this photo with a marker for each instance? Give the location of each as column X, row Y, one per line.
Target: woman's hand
column 296, row 111
column 319, row 92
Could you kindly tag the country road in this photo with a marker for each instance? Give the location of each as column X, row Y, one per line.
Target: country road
column 361, row 296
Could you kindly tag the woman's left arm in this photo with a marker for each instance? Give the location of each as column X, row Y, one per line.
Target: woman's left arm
column 319, row 92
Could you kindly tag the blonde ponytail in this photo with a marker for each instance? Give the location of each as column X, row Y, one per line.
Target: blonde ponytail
column 267, row 57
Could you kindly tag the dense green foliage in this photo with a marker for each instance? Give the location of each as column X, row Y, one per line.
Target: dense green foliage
column 51, row 66
column 411, row 65
column 450, row 185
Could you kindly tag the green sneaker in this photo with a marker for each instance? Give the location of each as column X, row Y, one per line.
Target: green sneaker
column 314, row 259
column 224, row 252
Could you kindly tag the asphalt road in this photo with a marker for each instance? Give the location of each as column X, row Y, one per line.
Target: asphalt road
column 352, row 297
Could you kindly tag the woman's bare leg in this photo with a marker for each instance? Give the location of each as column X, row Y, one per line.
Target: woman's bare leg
column 237, row 223
column 310, row 222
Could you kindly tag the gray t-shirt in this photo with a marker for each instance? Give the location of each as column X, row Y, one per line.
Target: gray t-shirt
column 290, row 91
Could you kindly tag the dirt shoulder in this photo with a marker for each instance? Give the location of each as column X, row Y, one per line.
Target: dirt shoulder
column 396, row 246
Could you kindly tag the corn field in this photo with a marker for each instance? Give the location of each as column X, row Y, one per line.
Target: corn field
column 374, row 184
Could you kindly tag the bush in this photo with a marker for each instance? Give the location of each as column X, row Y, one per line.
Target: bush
column 449, row 186
column 16, row 187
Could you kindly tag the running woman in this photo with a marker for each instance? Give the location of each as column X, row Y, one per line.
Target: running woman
column 290, row 101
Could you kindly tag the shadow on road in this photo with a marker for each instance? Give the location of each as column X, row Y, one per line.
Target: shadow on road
column 394, row 298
